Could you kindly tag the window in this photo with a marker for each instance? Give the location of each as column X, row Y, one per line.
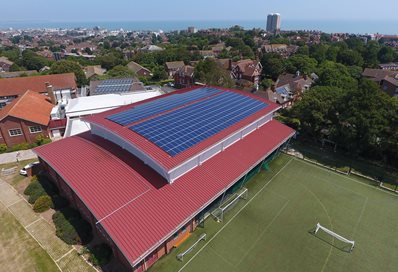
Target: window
column 35, row 129
column 15, row 132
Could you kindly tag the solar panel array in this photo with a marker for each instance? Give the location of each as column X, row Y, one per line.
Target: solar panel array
column 111, row 86
column 160, row 105
column 181, row 129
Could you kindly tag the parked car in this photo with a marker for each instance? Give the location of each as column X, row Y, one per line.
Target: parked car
column 24, row 170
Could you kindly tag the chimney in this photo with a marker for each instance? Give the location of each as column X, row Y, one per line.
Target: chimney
column 50, row 93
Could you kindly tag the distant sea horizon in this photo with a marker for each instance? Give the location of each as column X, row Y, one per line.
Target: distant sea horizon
column 328, row 26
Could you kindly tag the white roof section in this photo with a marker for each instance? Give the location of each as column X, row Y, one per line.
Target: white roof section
column 76, row 126
column 88, row 105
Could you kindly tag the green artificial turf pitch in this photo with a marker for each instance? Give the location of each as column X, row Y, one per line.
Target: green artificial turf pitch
column 272, row 230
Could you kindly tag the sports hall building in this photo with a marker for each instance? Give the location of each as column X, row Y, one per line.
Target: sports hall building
column 147, row 173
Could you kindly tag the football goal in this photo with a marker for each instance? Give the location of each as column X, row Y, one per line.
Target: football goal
column 335, row 235
column 229, row 204
column 181, row 255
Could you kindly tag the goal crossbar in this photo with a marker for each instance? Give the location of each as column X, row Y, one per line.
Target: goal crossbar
column 337, row 236
column 181, row 255
column 219, row 212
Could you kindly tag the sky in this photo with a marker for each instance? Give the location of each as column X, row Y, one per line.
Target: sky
column 164, row 10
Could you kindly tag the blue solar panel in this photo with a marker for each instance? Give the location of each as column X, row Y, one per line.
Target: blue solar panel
column 160, row 105
column 114, row 86
column 179, row 130
column 282, row 90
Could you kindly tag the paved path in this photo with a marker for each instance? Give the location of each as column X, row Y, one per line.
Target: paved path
column 12, row 156
column 63, row 255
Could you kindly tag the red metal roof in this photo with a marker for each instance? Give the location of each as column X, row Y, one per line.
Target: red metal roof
column 158, row 154
column 134, row 204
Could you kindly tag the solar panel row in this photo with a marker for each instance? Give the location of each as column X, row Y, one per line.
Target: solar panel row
column 181, row 129
column 107, row 89
column 161, row 105
column 117, row 81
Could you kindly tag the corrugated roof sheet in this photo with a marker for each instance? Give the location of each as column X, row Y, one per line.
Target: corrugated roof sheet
column 137, row 207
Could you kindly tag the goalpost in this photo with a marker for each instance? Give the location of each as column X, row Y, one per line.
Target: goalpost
column 227, row 205
column 335, row 235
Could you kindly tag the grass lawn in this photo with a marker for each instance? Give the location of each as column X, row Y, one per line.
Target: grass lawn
column 18, row 250
column 271, row 231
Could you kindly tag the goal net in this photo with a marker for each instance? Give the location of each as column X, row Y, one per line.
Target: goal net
column 229, row 204
column 335, row 235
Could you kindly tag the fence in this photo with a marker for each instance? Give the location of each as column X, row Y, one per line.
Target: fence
column 292, row 152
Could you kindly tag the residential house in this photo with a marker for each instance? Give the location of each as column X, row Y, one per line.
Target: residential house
column 173, row 66
column 390, row 85
column 184, row 77
column 94, row 70
column 389, row 66
column 288, row 89
column 249, row 70
column 25, row 118
column 138, row 69
column 283, row 50
column 386, row 79
column 63, row 86
column 151, row 48
column 225, row 64
column 5, row 64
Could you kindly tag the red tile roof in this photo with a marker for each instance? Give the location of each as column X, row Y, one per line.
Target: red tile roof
column 31, row 107
column 138, row 208
column 158, row 154
column 18, row 86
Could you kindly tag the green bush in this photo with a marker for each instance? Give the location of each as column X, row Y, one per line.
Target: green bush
column 34, row 179
column 71, row 228
column 42, row 140
column 3, row 148
column 100, row 254
column 34, row 191
column 43, row 204
column 39, row 186
column 22, row 146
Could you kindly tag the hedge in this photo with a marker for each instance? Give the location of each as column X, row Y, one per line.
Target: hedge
column 71, row 228
column 39, row 186
column 43, row 204
column 34, row 191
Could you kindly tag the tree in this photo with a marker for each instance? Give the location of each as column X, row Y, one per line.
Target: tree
column 337, row 75
column 350, row 57
column 318, row 111
column 120, row 71
column 318, row 52
column 302, row 63
column 32, row 61
column 303, row 50
column 209, row 72
column 67, row 66
column 371, row 54
column 387, row 54
column 14, row 68
column 266, row 83
column 159, row 73
column 273, row 65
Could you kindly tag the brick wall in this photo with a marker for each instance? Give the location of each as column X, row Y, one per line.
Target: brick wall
column 27, row 137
